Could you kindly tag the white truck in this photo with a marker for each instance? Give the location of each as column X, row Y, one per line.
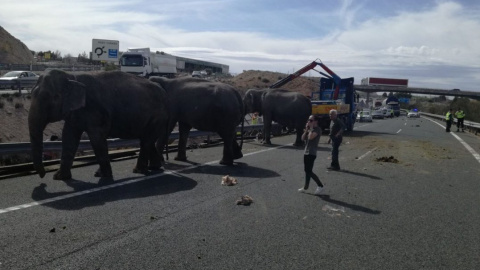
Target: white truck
column 144, row 63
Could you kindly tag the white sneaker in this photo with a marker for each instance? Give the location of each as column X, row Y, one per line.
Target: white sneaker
column 318, row 191
column 301, row 190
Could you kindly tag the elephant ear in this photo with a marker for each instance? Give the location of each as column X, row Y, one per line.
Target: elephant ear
column 73, row 96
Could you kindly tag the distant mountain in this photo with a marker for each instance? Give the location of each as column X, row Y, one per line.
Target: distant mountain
column 12, row 50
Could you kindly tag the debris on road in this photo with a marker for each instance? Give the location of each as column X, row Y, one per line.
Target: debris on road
column 227, row 180
column 245, row 200
column 387, row 159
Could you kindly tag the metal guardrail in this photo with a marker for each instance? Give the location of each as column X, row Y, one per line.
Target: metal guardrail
column 469, row 125
column 17, row 84
column 25, row 147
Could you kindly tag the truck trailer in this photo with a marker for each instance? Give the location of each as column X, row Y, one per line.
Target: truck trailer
column 373, row 81
column 144, row 63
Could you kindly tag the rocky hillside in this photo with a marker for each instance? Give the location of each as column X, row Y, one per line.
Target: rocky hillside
column 12, row 50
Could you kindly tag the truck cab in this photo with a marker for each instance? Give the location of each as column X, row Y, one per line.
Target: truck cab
column 136, row 62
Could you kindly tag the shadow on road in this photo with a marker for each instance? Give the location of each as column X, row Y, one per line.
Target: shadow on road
column 239, row 169
column 360, row 174
column 350, row 206
column 123, row 189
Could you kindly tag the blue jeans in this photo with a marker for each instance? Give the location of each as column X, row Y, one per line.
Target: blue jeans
column 336, row 141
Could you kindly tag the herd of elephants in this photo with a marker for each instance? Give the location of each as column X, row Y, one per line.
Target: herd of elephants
column 122, row 105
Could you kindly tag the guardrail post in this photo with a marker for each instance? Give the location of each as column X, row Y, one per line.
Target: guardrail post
column 19, row 86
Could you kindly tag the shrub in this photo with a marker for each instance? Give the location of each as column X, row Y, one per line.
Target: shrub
column 111, row 68
column 265, row 80
column 18, row 105
column 2, row 105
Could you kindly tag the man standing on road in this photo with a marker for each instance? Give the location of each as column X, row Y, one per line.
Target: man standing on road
column 460, row 115
column 336, row 135
column 449, row 119
column 311, row 135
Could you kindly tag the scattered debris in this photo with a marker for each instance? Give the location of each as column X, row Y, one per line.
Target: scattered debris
column 227, row 180
column 245, row 200
column 52, row 230
column 387, row 159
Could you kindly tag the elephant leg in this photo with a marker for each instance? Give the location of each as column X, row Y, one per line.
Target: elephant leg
column 70, row 140
column 142, row 161
column 100, row 148
column 155, row 161
column 237, row 151
column 183, row 132
column 267, row 129
column 228, row 139
column 298, row 140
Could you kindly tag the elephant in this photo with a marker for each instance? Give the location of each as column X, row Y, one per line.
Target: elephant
column 287, row 108
column 108, row 104
column 205, row 106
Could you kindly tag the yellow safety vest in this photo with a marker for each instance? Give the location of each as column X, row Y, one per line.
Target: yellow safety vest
column 459, row 114
column 447, row 117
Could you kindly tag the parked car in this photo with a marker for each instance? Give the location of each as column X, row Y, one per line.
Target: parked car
column 378, row 114
column 12, row 78
column 413, row 113
column 364, row 116
column 199, row 74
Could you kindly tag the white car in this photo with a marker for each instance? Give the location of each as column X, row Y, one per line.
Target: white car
column 10, row 79
column 364, row 116
column 414, row 114
column 378, row 114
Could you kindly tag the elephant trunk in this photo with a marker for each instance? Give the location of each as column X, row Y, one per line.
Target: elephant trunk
column 36, row 125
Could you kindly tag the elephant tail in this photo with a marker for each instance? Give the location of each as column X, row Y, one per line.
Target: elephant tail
column 241, row 129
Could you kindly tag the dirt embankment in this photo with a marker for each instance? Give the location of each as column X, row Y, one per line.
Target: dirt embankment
column 14, row 108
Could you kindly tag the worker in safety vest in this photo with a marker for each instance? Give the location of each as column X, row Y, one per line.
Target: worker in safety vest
column 460, row 115
column 255, row 119
column 449, row 119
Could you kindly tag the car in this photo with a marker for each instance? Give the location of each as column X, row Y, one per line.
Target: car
column 378, row 114
column 364, row 116
column 413, row 113
column 13, row 78
column 199, row 74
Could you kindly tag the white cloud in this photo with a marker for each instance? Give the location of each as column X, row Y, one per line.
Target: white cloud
column 440, row 34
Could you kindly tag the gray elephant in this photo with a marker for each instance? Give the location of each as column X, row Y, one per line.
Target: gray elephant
column 109, row 104
column 205, row 106
column 287, row 108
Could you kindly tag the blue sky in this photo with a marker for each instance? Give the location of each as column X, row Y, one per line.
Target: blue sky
column 432, row 43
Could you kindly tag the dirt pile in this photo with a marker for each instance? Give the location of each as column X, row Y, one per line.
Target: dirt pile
column 263, row 79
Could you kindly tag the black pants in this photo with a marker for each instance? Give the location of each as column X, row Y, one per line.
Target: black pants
column 449, row 125
column 308, row 161
column 460, row 123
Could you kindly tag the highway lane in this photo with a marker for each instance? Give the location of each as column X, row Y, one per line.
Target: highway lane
column 421, row 212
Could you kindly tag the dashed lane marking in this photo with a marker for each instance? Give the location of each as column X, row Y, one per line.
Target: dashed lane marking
column 367, row 153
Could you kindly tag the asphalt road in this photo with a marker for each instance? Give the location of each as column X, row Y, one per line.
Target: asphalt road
column 419, row 213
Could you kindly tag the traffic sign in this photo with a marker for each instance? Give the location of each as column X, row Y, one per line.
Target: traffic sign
column 105, row 50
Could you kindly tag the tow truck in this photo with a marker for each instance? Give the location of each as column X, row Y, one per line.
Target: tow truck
column 334, row 93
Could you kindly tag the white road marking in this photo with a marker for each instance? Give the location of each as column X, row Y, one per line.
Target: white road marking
column 400, row 130
column 80, row 193
column 468, row 147
column 366, row 154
